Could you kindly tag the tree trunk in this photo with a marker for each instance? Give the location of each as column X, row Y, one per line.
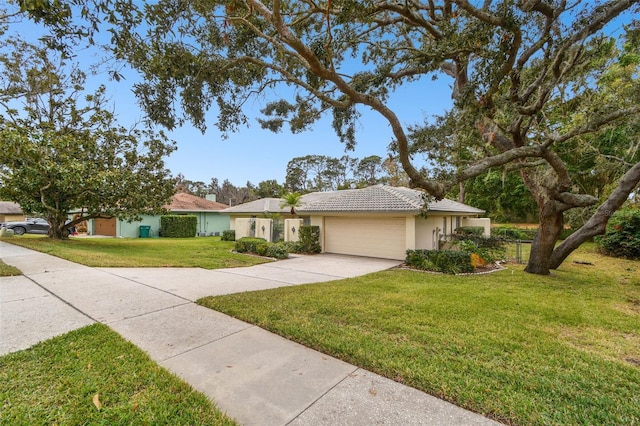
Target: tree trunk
column 57, row 229
column 551, row 224
column 462, row 193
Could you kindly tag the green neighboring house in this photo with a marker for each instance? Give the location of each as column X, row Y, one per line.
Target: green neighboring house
column 206, row 210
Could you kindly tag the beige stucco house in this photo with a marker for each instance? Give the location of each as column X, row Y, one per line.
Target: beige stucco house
column 378, row 221
column 10, row 212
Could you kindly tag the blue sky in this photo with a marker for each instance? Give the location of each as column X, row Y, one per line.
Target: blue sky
column 256, row 154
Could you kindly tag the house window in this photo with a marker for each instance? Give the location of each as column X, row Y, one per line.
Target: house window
column 444, row 225
column 457, row 222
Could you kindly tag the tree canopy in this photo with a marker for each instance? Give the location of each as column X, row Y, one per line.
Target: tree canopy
column 63, row 151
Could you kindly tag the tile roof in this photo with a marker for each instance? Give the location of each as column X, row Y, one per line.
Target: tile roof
column 184, row 202
column 382, row 198
column 272, row 205
column 374, row 199
column 263, row 205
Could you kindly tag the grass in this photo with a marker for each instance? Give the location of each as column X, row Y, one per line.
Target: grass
column 554, row 350
column 93, row 376
column 207, row 253
column 8, row 270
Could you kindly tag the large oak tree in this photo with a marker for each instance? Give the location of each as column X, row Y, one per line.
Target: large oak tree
column 526, row 77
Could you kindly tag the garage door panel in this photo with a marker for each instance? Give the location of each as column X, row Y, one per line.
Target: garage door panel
column 105, row 227
column 373, row 237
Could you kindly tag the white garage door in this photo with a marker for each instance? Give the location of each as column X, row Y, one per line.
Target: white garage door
column 383, row 238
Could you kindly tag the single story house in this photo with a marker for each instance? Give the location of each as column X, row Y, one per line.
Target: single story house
column 10, row 212
column 378, row 221
column 207, row 211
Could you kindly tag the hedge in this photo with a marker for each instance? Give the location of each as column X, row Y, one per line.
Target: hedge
column 261, row 247
column 446, row 261
column 470, row 230
column 310, row 239
column 489, row 249
column 511, row 233
column 178, row 226
column 228, row 235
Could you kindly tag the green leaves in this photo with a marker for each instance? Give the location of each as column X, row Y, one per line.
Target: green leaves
column 72, row 155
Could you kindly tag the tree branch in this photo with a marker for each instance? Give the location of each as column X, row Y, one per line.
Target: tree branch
column 597, row 224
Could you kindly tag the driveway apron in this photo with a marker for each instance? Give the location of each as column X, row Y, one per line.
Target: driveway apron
column 253, row 375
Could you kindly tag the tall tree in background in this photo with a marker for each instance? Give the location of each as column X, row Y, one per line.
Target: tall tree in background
column 269, row 188
column 324, row 173
column 63, row 151
column 230, row 194
column 503, row 195
column 369, row 171
column 197, row 188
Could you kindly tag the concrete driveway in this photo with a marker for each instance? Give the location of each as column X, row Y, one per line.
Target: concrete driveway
column 194, row 283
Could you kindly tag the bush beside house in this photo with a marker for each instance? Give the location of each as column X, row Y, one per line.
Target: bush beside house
column 178, row 226
column 310, row 239
column 445, row 261
column 228, row 235
column 261, row 247
column 470, row 252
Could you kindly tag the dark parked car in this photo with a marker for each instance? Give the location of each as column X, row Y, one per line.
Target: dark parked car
column 35, row 225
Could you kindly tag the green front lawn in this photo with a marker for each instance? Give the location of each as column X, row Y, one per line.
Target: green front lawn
column 93, row 376
column 204, row 252
column 562, row 349
column 8, row 270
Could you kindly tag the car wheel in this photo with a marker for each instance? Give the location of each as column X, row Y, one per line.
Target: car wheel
column 18, row 230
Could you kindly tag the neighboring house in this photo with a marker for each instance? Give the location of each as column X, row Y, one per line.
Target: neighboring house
column 207, row 211
column 10, row 212
column 378, row 221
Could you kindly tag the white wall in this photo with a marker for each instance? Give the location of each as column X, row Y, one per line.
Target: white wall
column 483, row 222
column 242, row 227
column 292, row 229
column 263, row 229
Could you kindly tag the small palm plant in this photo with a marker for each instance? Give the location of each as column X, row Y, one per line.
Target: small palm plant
column 292, row 200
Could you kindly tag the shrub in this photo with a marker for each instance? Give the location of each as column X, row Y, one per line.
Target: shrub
column 511, row 233
column 178, row 226
column 277, row 251
column 291, row 246
column 310, row 239
column 228, row 235
column 248, row 244
column 261, row 247
column 489, row 249
column 477, row 261
column 470, row 230
column 446, row 261
column 622, row 237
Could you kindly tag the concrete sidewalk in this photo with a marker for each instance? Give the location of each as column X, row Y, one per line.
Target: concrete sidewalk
column 255, row 376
